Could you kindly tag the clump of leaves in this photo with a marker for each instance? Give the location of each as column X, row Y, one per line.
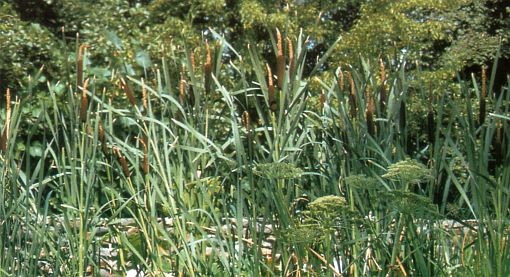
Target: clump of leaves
column 408, row 172
column 361, row 181
column 278, row 171
column 410, row 203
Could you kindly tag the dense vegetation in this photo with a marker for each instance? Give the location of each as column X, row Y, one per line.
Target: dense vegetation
column 352, row 129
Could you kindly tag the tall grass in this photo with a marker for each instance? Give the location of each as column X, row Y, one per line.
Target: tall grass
column 183, row 171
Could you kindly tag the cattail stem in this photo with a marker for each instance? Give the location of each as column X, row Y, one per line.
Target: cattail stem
column 369, row 113
column 280, row 60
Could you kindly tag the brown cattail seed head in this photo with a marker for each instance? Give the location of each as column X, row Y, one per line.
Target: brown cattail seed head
column 340, row 79
column 246, row 121
column 122, row 161
column 382, row 94
column 207, row 68
column 129, row 93
column 369, row 113
column 192, row 58
column 102, row 137
column 322, row 100
column 280, row 60
column 79, row 66
column 483, row 94
column 145, row 162
column 352, row 95
column 5, row 134
column 292, row 62
column 84, row 102
column 270, row 89
column 145, row 101
column 182, row 89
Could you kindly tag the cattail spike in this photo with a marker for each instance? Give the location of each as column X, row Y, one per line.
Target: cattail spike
column 280, row 60
column 79, row 66
column 483, row 95
column 6, row 132
column 84, row 102
column 246, row 120
column 382, row 93
column 292, row 61
column 122, row 161
column 352, row 95
column 322, row 100
column 270, row 89
column 102, row 137
column 340, row 78
column 145, row 101
column 129, row 93
column 208, row 68
column 182, row 89
column 370, row 111
column 145, row 162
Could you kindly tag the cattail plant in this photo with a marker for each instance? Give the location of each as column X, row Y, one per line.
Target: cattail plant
column 84, row 102
column 270, row 89
column 5, row 134
column 483, row 95
column 292, row 61
column 122, row 160
column 369, row 112
column 280, row 60
column 382, row 92
column 207, row 68
column 129, row 93
column 352, row 95
column 498, row 143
